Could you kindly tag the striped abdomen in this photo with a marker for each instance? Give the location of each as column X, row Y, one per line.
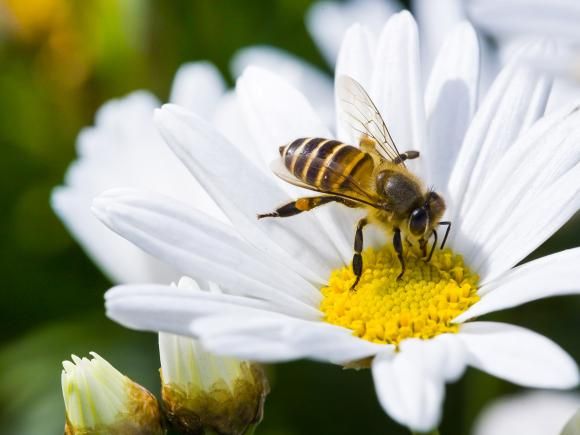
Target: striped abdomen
column 325, row 163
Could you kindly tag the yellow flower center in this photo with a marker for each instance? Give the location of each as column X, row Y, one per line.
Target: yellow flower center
column 421, row 304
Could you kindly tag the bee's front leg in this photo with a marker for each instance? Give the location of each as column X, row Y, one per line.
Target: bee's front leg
column 423, row 246
column 357, row 263
column 432, row 247
column 398, row 245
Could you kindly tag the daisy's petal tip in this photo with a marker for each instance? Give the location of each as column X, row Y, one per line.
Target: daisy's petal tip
column 411, row 393
column 354, row 27
column 569, row 375
column 170, row 108
column 518, row 355
column 256, row 73
column 403, row 18
column 158, row 112
column 100, row 207
column 103, row 204
column 56, row 199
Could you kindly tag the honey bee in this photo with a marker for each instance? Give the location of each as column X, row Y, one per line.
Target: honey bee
column 371, row 176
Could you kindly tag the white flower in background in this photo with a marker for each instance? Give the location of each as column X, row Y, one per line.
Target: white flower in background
column 327, row 21
column 124, row 148
column 205, row 393
column 508, row 23
column 100, row 400
column 506, row 189
column 531, row 413
column 503, row 20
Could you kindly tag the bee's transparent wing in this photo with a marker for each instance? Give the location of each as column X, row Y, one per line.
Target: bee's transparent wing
column 349, row 187
column 359, row 111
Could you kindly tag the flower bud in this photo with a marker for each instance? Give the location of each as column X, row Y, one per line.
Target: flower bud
column 101, row 400
column 204, row 392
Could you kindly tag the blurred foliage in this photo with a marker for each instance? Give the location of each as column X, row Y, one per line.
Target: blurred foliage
column 60, row 60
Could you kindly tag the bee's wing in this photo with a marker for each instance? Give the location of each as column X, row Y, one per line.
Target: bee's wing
column 349, row 187
column 359, row 111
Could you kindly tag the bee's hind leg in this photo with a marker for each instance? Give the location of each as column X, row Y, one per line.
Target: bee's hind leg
column 357, row 262
column 305, row 204
column 398, row 245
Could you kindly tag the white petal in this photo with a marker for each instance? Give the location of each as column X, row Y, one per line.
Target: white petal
column 197, row 246
column 530, row 413
column 564, row 63
column 564, row 92
column 454, row 361
column 408, row 385
column 557, row 18
column 553, row 275
column 328, row 21
column 229, row 121
column 528, row 170
column 518, row 355
column 356, row 60
column 251, row 338
column 450, row 101
column 123, row 149
column 277, row 114
column 515, row 101
column 235, row 326
column 122, row 261
column 170, row 309
column 309, row 80
column 531, row 226
column 396, row 88
column 435, row 19
column 198, row 87
column 242, row 191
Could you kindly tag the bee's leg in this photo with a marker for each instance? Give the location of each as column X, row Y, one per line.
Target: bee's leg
column 433, row 246
column 357, row 262
column 407, row 155
column 448, row 224
column 305, row 204
column 398, row 245
column 423, row 246
column 409, row 242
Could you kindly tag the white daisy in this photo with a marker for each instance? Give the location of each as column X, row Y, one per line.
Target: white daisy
column 123, row 148
column 530, row 413
column 503, row 25
column 507, row 192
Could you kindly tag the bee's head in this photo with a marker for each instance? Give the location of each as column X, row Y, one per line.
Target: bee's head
column 423, row 219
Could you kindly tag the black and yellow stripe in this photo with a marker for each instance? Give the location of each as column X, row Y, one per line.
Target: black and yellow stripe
column 325, row 163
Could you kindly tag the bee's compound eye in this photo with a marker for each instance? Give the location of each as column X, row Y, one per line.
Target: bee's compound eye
column 418, row 222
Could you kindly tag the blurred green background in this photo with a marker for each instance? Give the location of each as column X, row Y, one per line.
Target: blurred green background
column 59, row 61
